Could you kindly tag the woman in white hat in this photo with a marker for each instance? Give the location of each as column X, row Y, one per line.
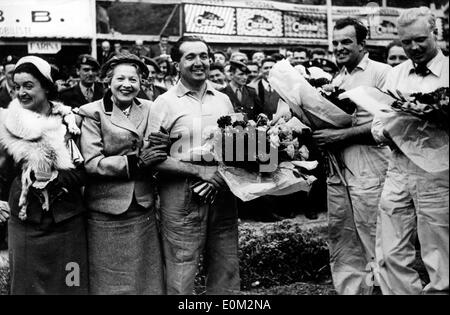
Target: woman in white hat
column 124, row 249
column 47, row 232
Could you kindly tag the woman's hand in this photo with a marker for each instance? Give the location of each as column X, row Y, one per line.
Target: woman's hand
column 4, row 211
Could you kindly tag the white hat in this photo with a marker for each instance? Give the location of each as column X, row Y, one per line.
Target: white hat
column 42, row 65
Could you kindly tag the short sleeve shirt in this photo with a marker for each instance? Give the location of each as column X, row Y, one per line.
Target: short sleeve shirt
column 183, row 115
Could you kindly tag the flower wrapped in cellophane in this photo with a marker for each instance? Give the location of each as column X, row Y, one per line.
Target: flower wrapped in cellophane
column 259, row 158
column 416, row 124
column 305, row 100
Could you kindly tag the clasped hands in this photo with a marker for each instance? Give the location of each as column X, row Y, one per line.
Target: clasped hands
column 157, row 150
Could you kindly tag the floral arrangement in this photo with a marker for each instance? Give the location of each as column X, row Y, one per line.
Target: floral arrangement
column 258, row 157
column 432, row 106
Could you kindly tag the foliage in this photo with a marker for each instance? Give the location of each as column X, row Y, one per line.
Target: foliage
column 280, row 254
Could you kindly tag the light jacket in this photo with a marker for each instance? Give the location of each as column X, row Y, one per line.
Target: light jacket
column 110, row 144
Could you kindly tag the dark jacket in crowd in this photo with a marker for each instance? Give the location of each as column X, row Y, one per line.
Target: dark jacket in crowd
column 73, row 96
column 5, row 98
column 250, row 103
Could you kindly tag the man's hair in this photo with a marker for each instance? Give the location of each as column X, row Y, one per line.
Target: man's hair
column 216, row 66
column 409, row 16
column 278, row 57
column 267, row 60
column 176, row 53
column 318, row 51
column 360, row 29
column 301, row 49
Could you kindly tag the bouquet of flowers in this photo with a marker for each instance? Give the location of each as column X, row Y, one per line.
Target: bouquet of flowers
column 258, row 158
column 308, row 102
column 316, row 103
column 432, row 106
column 417, row 124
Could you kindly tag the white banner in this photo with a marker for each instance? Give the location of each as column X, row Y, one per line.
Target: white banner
column 46, row 18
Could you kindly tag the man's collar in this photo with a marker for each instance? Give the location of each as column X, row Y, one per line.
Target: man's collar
column 362, row 65
column 234, row 86
column 182, row 90
column 84, row 88
column 435, row 65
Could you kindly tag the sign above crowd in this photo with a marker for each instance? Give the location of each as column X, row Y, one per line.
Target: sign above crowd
column 273, row 19
column 46, row 18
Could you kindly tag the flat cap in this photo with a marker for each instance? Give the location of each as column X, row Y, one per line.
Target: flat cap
column 124, row 58
column 86, row 59
column 239, row 65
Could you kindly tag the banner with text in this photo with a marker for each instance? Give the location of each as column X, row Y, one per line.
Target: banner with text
column 46, row 18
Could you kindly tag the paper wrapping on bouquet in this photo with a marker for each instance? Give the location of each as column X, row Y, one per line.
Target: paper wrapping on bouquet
column 421, row 141
column 303, row 97
column 248, row 186
column 425, row 144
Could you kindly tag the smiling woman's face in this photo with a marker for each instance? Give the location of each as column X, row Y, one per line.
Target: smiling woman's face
column 30, row 92
column 125, row 84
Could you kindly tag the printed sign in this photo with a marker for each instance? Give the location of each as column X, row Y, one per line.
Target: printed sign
column 46, row 18
column 259, row 22
column 44, row 47
column 305, row 25
column 210, row 19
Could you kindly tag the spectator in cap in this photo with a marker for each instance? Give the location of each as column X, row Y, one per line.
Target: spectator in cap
column 149, row 90
column 239, row 56
column 243, row 97
column 87, row 90
column 217, row 76
column 47, row 229
column 120, row 152
column 7, row 91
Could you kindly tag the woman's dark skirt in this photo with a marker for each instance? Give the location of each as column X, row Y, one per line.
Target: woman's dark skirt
column 48, row 258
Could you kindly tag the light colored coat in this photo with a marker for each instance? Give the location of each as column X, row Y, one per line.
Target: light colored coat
column 107, row 137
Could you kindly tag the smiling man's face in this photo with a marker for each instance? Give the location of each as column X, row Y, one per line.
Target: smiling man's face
column 419, row 41
column 194, row 63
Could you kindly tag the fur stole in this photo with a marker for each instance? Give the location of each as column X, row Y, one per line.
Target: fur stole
column 36, row 141
column 38, row 144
